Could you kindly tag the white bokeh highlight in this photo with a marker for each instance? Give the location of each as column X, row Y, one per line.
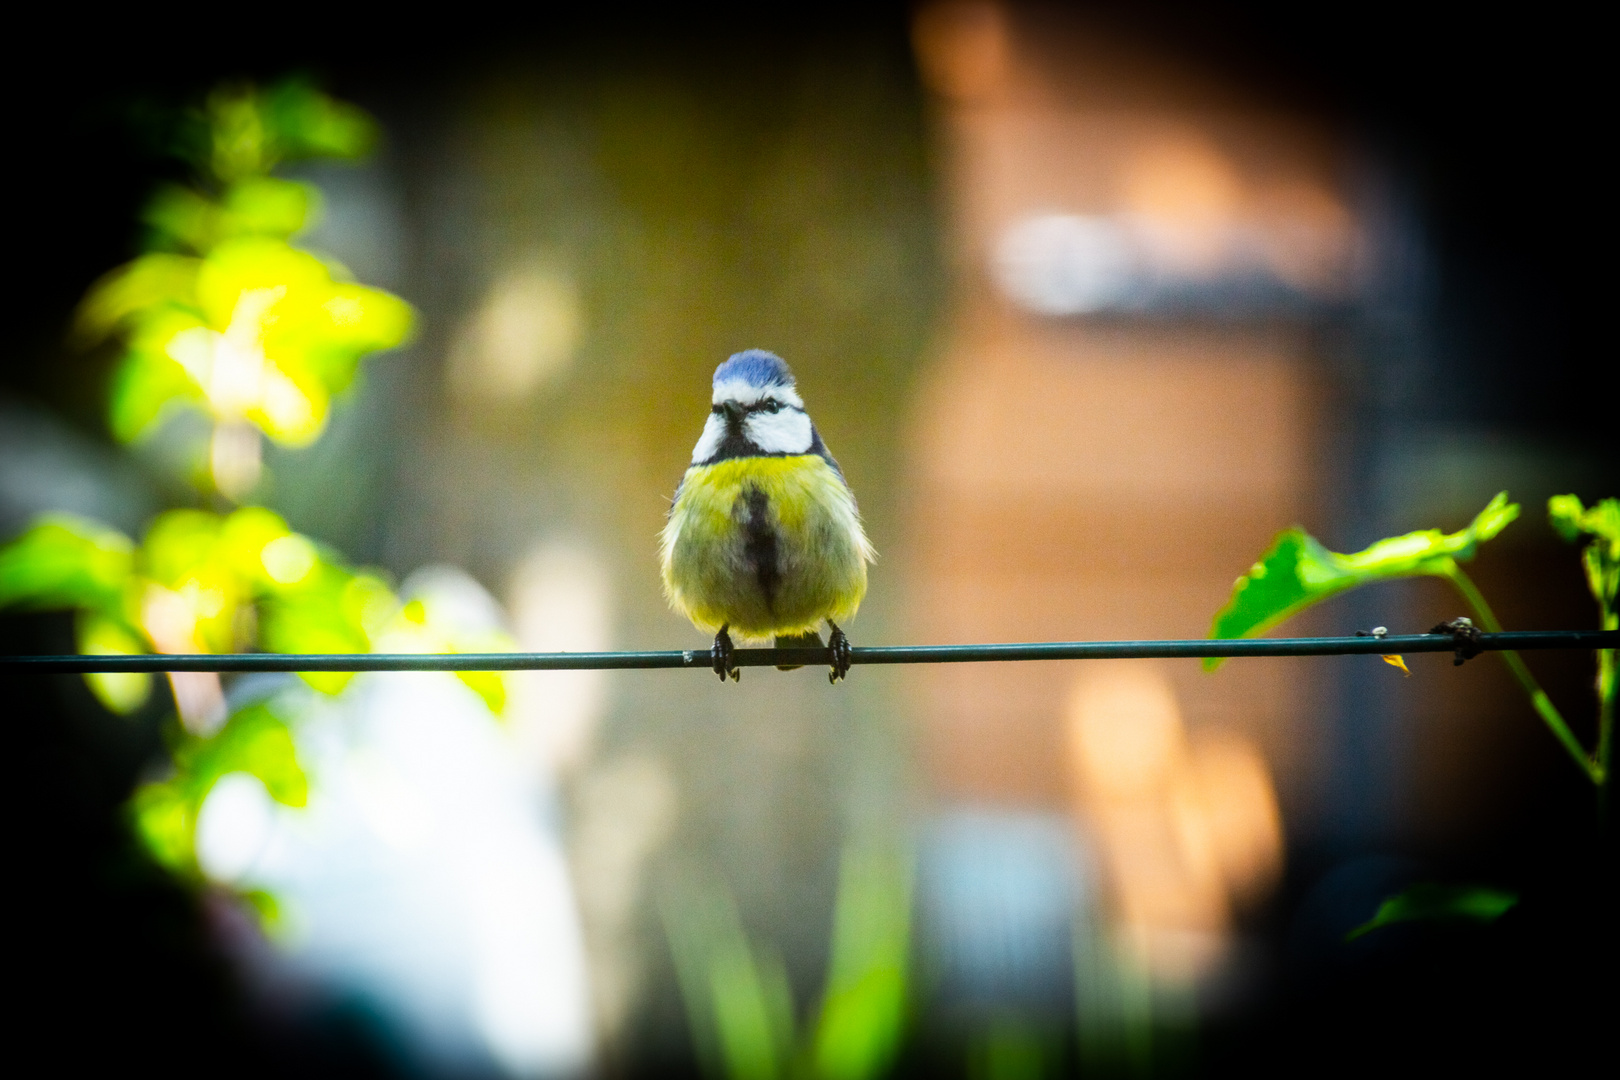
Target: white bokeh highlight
column 427, row 876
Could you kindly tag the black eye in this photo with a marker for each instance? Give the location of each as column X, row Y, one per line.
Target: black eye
column 773, row 406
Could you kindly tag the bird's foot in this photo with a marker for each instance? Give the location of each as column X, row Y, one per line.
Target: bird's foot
column 839, row 644
column 721, row 655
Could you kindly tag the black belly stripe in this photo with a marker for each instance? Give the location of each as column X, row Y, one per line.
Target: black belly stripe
column 760, row 545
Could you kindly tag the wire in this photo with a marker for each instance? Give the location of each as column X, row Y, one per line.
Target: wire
column 902, row 654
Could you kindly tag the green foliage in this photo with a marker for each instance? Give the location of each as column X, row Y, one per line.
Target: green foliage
column 242, row 132
column 254, row 330
column 738, row 1002
column 72, row 562
column 1601, row 556
column 416, row 630
column 1297, row 571
column 226, row 315
column 1010, row 1050
column 198, row 582
column 736, row 992
column 864, row 1010
column 1439, row 902
column 67, row 562
column 206, row 582
column 182, row 219
column 255, row 741
column 98, row 635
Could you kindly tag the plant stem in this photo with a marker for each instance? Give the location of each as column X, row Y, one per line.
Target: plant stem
column 1606, row 693
column 1595, row 771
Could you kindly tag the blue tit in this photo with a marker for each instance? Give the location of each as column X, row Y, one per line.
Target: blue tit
column 764, row 539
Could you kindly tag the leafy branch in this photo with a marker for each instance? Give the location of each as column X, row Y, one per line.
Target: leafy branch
column 200, row 582
column 1298, row 572
column 1601, row 561
column 225, row 316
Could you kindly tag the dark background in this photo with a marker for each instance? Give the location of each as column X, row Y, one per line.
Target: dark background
column 1495, row 118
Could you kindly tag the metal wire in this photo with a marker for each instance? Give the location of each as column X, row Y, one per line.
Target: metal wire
column 902, row 654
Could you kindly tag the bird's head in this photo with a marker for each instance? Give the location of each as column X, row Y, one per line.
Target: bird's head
column 755, row 411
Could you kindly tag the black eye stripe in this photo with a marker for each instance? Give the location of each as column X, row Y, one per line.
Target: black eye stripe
column 770, row 405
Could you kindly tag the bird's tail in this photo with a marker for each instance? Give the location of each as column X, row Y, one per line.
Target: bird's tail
column 811, row 640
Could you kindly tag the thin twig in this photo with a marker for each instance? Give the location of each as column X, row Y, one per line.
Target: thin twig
column 1538, row 697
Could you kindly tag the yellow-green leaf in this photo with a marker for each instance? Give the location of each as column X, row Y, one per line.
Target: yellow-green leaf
column 1601, row 557
column 308, row 123
column 165, row 820
column 120, row 691
column 1297, row 572
column 146, row 388
column 254, row 740
column 255, row 206
column 67, row 562
column 1445, row 902
column 864, row 1011
column 150, row 281
column 489, row 685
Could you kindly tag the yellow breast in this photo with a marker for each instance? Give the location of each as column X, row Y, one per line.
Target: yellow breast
column 765, row 545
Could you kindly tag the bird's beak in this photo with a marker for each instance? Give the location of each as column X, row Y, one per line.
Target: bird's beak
column 734, row 414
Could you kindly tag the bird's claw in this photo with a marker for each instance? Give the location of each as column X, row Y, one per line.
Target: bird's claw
column 839, row 644
column 721, row 656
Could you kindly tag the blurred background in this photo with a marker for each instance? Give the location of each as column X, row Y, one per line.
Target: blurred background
column 1089, row 301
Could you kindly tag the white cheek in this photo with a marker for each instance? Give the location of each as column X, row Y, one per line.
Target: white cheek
column 714, row 433
column 786, row 432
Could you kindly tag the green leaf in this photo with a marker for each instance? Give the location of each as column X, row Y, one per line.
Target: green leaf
column 1565, row 514
column 166, row 820
column 1297, row 572
column 1601, row 557
column 863, row 1013
column 307, row 123
column 239, row 144
column 180, row 547
column 121, row 692
column 254, row 740
column 244, row 326
column 753, row 1009
column 253, row 302
column 67, row 562
column 489, row 685
column 146, row 388
column 326, row 608
column 737, row 997
column 268, row 206
column 247, row 533
column 256, row 206
column 148, row 282
column 264, row 904
column 1439, row 902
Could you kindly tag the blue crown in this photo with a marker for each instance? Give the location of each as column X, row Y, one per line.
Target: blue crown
column 755, row 367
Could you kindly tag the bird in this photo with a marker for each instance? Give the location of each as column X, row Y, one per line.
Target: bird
column 764, row 539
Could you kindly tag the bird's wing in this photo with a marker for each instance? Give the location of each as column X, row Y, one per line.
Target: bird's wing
column 819, row 448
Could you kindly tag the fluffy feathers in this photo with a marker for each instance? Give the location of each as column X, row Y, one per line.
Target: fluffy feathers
column 764, row 535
